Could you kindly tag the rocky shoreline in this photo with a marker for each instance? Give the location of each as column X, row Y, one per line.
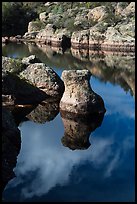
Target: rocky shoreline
column 100, row 29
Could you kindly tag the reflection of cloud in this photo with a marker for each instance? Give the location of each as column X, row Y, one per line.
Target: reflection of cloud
column 43, row 154
column 112, row 164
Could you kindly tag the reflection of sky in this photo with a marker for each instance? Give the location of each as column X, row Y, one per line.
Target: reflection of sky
column 48, row 171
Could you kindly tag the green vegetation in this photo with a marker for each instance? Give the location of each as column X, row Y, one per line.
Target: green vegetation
column 17, row 15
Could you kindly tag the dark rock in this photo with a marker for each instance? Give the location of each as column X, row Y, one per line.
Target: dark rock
column 11, row 143
column 21, row 91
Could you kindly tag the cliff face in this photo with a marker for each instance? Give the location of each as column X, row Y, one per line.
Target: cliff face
column 93, row 25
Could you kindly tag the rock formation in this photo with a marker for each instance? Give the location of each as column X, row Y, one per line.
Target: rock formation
column 44, row 78
column 78, row 96
column 18, row 91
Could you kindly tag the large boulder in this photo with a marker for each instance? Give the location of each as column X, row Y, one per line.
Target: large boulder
column 44, row 78
column 12, row 65
column 129, row 10
column 30, row 60
column 33, row 27
column 54, row 37
column 79, row 97
column 80, row 39
column 97, row 14
column 46, row 34
column 114, row 40
column 43, row 16
column 19, row 91
column 30, row 35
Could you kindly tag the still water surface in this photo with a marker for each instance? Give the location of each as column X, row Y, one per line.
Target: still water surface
column 47, row 170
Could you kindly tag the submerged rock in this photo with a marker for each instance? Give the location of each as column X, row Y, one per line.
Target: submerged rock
column 79, row 97
column 44, row 78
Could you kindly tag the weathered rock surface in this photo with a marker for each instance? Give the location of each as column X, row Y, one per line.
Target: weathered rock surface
column 43, row 17
column 97, row 14
column 44, row 78
column 11, row 143
column 32, row 27
column 101, row 26
column 30, row 35
column 20, row 91
column 79, row 97
column 54, row 37
column 80, row 39
column 12, row 65
column 30, row 60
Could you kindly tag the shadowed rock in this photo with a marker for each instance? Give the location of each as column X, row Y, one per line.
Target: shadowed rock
column 18, row 91
column 30, row 60
column 11, row 143
column 44, row 78
column 79, row 97
column 78, row 129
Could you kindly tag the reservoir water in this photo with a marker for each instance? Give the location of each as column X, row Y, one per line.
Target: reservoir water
column 48, row 170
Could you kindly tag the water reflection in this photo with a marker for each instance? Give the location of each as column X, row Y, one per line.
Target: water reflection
column 48, row 171
column 45, row 111
column 44, row 164
column 78, row 129
column 116, row 68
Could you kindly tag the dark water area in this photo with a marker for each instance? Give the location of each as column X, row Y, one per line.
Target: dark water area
column 102, row 170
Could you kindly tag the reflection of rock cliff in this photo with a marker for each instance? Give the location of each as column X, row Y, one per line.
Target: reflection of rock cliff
column 117, row 70
column 78, row 129
column 113, row 67
column 11, row 142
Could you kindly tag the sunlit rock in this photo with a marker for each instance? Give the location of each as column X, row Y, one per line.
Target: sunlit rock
column 44, row 78
column 80, row 39
column 78, row 96
column 30, row 60
column 98, row 13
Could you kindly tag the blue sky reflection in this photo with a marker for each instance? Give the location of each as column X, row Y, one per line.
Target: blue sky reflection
column 44, row 164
